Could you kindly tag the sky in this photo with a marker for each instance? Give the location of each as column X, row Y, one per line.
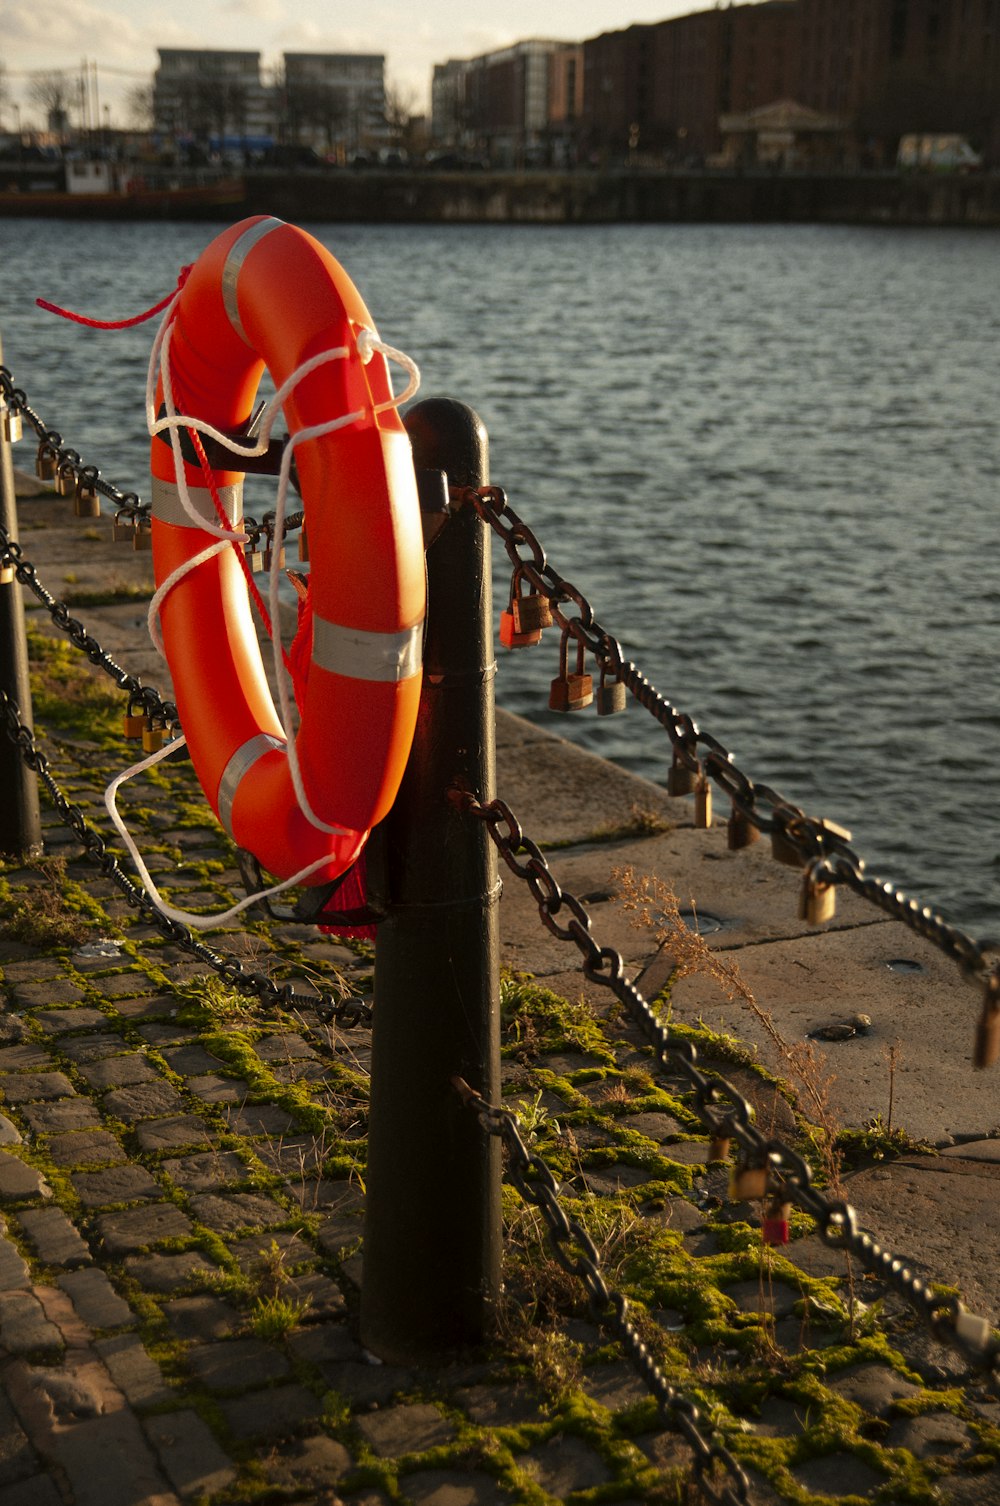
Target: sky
column 122, row 36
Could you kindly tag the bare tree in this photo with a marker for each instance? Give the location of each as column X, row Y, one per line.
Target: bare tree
column 400, row 107
column 139, row 104
column 316, row 104
column 51, row 92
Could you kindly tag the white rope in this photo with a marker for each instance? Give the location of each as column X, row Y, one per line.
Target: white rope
column 186, row 917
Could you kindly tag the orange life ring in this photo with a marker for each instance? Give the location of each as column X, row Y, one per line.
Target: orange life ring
column 265, row 293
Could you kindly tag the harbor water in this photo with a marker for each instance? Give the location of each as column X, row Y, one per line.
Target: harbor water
column 768, row 455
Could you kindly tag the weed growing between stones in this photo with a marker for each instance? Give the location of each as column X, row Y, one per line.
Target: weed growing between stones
column 38, row 915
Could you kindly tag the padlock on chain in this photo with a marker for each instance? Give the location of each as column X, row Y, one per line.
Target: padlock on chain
column 123, row 527
column 142, row 532
column 134, row 720
column 681, row 779
column 571, row 692
column 747, row 1183
column 86, row 502
column 254, row 555
column 817, row 901
column 774, row 1224
column 303, row 546
column 153, row 732
column 784, row 850
column 10, row 423
column 611, row 698
column 511, row 634
column 66, row 479
column 740, row 831
column 46, row 461
column 7, row 574
column 181, row 752
column 267, row 555
column 703, row 802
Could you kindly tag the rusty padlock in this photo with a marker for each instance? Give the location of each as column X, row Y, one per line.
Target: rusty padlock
column 747, row 1182
column 741, row 832
column 511, row 636
column 784, row 849
column 611, row 698
column 10, row 423
column 571, row 692
column 817, row 901
column 86, row 502
column 681, row 780
column 46, row 461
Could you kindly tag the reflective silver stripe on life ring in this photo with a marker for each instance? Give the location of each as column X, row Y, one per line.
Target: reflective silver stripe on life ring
column 238, row 253
column 243, row 759
column 167, row 506
column 360, row 655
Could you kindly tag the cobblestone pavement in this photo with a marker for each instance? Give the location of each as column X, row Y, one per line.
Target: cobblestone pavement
column 182, row 1185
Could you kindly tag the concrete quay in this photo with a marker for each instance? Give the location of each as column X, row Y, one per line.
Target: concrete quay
column 167, row 1169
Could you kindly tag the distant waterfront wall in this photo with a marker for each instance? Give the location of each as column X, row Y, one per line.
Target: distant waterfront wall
column 639, row 197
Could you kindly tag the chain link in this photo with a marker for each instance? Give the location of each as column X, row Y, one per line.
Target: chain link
column 821, row 847
column 722, row 1109
column 576, row 1252
column 342, row 1012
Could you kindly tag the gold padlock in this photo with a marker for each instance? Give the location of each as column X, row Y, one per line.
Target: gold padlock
column 703, row 802
column 681, row 780
column 46, row 461
column 152, row 735
column 571, row 692
column 611, row 698
column 6, row 574
column 123, row 528
column 268, row 555
column 817, row 901
column 747, row 1183
column 66, row 479
column 254, row 557
column 142, row 532
column 741, row 831
column 86, row 502
column 303, row 546
column 134, row 721
column 10, row 423
column 510, row 635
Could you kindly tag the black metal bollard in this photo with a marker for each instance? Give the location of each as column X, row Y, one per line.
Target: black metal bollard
column 20, row 818
column 431, row 1269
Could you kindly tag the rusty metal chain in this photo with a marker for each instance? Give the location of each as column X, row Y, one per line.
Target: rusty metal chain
column 342, row 1012
column 724, row 1112
column 144, row 696
column 576, row 1253
column 821, row 848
